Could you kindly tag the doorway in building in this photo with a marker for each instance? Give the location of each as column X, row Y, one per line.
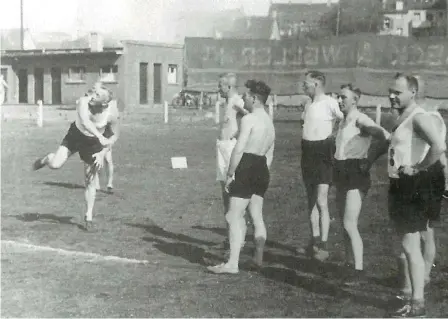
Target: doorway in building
column 56, row 91
column 23, row 86
column 38, row 84
column 143, row 83
column 157, row 83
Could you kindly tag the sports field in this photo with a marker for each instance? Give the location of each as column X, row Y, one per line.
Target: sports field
column 153, row 236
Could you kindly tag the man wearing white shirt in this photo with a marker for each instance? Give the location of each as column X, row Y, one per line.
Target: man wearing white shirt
column 317, row 159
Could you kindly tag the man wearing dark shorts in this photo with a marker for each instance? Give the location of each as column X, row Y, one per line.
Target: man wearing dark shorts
column 85, row 136
column 248, row 176
column 317, row 159
column 416, row 185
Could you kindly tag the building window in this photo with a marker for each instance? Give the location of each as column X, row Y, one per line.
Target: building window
column 386, row 24
column 172, row 74
column 76, row 74
column 429, row 17
column 417, row 15
column 109, row 73
column 399, row 31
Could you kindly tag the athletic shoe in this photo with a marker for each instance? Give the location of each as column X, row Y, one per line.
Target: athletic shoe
column 110, row 190
column 38, row 164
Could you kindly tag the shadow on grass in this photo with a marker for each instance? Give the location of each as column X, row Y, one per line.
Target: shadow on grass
column 33, row 217
column 269, row 243
column 319, row 283
column 75, row 186
column 159, row 231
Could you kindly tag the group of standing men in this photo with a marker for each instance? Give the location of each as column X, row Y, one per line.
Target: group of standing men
column 417, row 169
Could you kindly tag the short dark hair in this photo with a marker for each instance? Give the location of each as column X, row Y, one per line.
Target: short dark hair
column 317, row 75
column 259, row 89
column 410, row 79
column 352, row 88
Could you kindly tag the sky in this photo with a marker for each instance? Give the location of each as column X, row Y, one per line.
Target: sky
column 151, row 20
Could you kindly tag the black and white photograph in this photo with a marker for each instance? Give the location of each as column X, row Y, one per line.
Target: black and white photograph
column 224, row 158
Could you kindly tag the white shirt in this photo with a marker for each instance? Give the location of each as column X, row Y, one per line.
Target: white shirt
column 319, row 118
column 406, row 147
column 99, row 120
column 350, row 142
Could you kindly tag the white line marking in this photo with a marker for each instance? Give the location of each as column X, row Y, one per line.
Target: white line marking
column 65, row 252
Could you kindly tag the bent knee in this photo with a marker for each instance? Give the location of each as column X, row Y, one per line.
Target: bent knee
column 350, row 225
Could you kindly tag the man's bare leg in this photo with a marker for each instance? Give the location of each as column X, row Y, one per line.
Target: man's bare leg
column 429, row 251
column 260, row 234
column 237, row 226
column 53, row 160
column 110, row 170
column 340, row 202
column 322, row 206
column 97, row 181
column 416, row 266
column 90, row 192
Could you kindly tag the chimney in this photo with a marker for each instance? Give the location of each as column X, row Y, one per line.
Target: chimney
column 96, row 42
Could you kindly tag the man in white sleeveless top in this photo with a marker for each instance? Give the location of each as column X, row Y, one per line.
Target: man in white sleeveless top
column 416, row 184
column 230, row 115
column 317, row 159
column 85, row 135
column 352, row 181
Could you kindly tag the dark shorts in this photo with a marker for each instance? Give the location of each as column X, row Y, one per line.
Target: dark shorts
column 251, row 177
column 317, row 162
column 75, row 141
column 415, row 201
column 348, row 176
column 108, row 132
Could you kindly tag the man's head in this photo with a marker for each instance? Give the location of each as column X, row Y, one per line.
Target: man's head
column 314, row 83
column 349, row 98
column 99, row 98
column 226, row 84
column 256, row 95
column 403, row 91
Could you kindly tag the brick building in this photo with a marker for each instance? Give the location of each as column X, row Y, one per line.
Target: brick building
column 138, row 73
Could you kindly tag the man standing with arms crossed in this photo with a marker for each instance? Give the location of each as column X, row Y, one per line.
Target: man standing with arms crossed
column 317, row 159
column 248, row 176
column 228, row 132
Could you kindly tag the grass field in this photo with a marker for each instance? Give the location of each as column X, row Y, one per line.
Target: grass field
column 169, row 220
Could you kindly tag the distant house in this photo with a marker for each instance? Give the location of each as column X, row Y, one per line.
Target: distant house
column 296, row 19
column 137, row 72
column 413, row 17
column 255, row 28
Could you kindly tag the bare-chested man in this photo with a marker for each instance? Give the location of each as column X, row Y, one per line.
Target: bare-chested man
column 231, row 113
column 248, row 176
column 85, row 135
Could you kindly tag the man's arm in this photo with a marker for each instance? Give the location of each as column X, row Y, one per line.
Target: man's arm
column 369, row 127
column 270, row 155
column 83, row 111
column 239, row 107
column 114, row 123
column 336, row 110
column 426, row 129
column 243, row 137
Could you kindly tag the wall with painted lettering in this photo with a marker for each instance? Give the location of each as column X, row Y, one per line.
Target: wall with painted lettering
column 368, row 60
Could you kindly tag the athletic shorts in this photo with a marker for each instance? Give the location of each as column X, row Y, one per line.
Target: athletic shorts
column 251, row 177
column 317, row 162
column 224, row 150
column 108, row 132
column 416, row 200
column 348, row 175
column 76, row 141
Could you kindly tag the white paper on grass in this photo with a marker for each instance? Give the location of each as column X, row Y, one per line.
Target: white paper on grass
column 179, row 162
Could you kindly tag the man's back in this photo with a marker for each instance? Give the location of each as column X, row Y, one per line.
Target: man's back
column 262, row 134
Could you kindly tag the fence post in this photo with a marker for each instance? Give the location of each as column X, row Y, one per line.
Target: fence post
column 40, row 113
column 217, row 104
column 378, row 114
column 201, row 101
column 165, row 112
